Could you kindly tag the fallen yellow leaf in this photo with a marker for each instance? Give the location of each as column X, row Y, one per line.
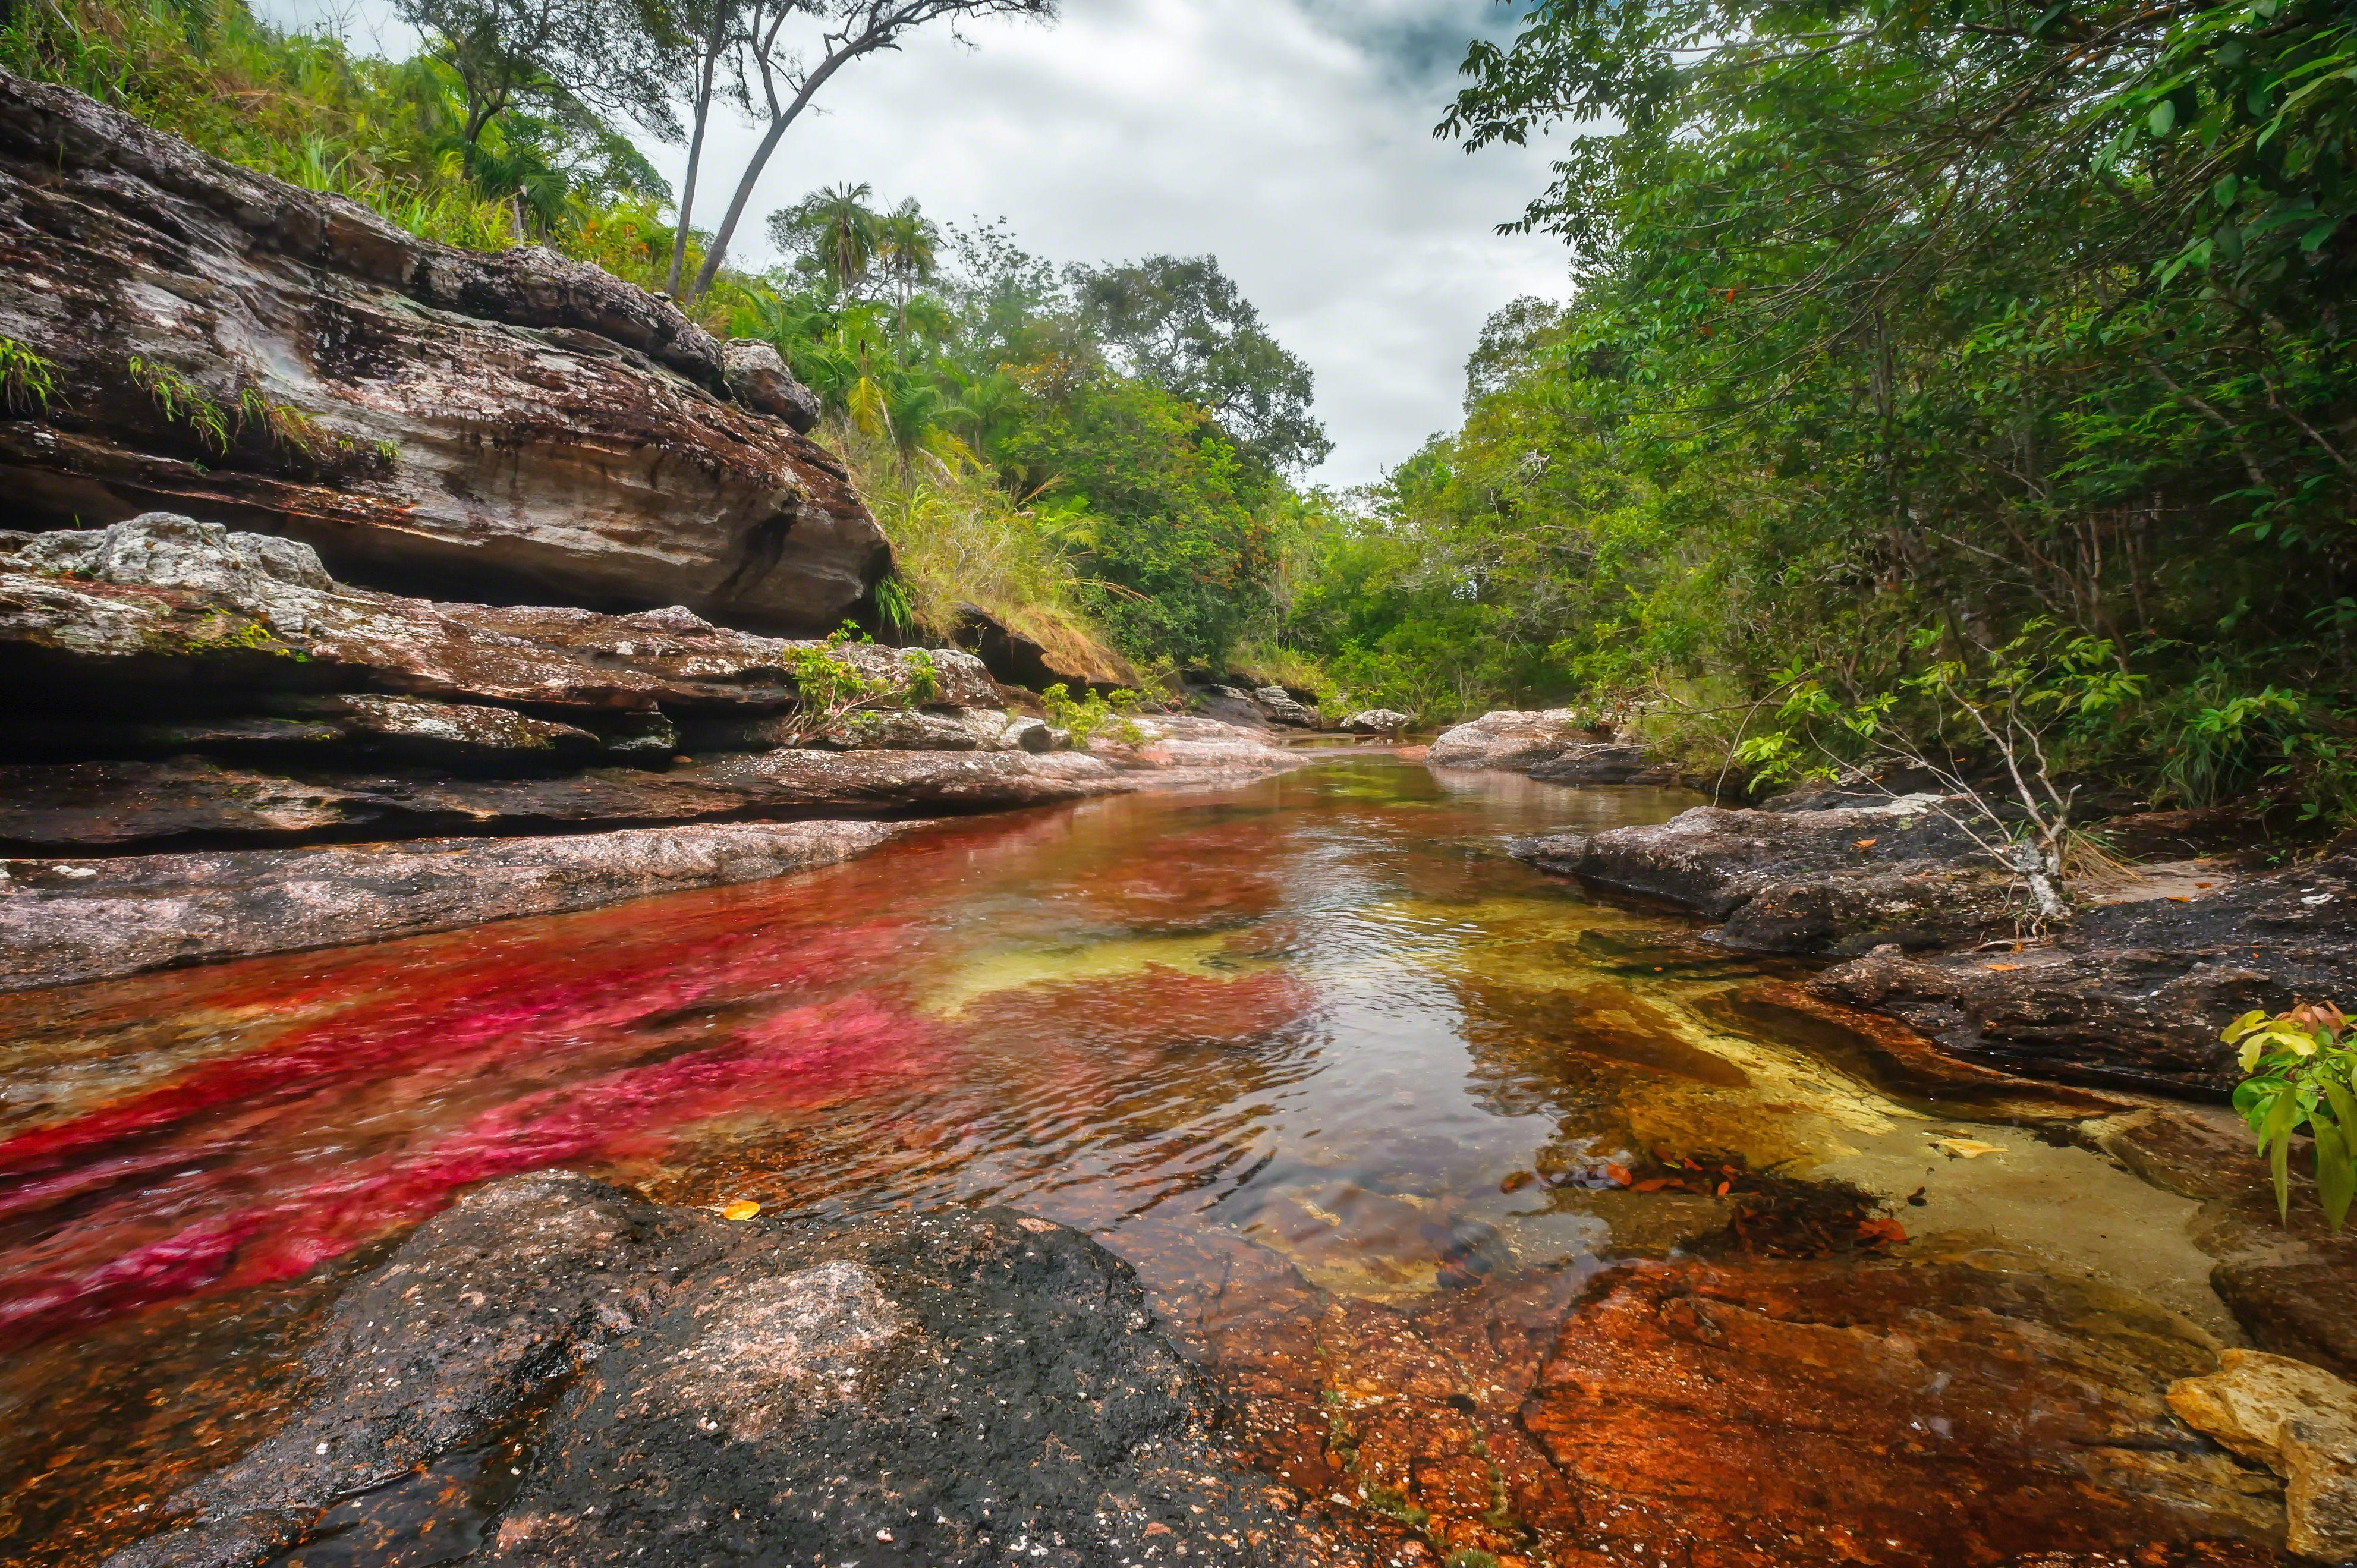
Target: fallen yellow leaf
column 743, row 1208
column 1968, row 1148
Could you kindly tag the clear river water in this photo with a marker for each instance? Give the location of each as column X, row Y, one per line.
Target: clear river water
column 1308, row 1049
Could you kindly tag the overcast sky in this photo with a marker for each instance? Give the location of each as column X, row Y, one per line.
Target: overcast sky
column 1291, row 138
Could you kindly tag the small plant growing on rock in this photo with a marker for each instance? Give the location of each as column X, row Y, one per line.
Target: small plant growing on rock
column 2297, row 1069
column 28, row 382
column 181, row 402
column 831, row 688
column 1087, row 717
column 282, row 424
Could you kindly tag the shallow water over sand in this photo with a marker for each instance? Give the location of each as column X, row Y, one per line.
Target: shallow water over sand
column 1315, row 1034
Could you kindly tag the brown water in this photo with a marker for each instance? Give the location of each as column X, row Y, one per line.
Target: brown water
column 1319, row 1029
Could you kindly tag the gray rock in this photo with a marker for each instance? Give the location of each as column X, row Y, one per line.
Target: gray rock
column 247, row 614
column 759, row 379
column 1378, row 721
column 1510, row 741
column 513, row 425
column 1030, row 734
column 65, row 922
column 164, row 550
column 2132, row 992
column 900, row 729
column 1605, row 762
column 1281, row 705
column 955, row 1388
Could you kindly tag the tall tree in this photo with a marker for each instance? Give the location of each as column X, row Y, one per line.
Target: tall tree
column 781, row 67
column 835, row 232
column 1181, row 323
column 611, row 57
column 713, row 24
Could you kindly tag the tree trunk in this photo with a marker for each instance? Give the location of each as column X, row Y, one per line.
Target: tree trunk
column 727, row 229
column 696, row 150
column 779, row 120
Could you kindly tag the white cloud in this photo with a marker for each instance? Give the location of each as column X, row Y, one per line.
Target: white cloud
column 1291, row 138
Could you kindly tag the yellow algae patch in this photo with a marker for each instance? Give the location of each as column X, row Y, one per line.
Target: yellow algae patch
column 1208, row 956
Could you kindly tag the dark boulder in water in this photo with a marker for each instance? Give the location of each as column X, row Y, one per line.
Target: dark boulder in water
column 665, row 1387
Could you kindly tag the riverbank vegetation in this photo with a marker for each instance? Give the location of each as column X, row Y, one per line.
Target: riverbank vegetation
column 1906, row 339
column 1991, row 341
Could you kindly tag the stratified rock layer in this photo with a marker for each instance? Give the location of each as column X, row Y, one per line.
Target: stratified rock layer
column 62, row 923
column 956, row 1388
column 198, row 703
column 513, row 426
column 1839, row 881
column 2132, row 991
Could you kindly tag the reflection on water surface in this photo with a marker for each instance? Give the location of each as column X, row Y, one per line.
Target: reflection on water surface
column 1317, row 1031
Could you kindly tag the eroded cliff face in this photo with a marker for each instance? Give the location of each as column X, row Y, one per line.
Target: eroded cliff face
column 514, row 428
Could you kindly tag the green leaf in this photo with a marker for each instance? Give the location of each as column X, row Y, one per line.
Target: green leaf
column 2163, row 118
column 2336, row 1172
column 2274, row 1139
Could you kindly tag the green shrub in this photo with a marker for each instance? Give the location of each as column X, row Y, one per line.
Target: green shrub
column 2297, row 1068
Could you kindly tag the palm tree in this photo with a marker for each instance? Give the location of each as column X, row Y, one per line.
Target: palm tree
column 908, row 245
column 837, row 229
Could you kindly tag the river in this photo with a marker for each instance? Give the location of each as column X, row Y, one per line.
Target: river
column 1306, row 1050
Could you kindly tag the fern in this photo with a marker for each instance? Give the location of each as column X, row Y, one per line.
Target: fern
column 28, row 382
column 181, row 402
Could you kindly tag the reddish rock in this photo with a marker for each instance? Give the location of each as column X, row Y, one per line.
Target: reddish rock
column 1744, row 1414
column 513, row 425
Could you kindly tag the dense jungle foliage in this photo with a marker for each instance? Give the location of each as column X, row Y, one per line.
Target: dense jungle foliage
column 1981, row 334
column 1910, row 349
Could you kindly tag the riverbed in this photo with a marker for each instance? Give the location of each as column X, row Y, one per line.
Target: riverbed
column 1319, row 1060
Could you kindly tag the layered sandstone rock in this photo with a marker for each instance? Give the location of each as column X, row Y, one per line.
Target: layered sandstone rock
column 2132, row 991
column 204, row 713
column 1837, row 881
column 64, row 922
column 515, row 427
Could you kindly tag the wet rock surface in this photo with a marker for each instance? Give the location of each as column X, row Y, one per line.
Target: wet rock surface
column 527, row 426
column 677, row 1389
column 2132, row 992
column 1834, row 880
column 61, row 923
column 1930, row 1408
column 2133, row 989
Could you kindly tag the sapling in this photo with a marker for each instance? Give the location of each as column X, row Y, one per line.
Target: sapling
column 2297, row 1069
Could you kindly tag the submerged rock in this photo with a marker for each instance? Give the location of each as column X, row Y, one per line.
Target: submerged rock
column 1738, row 1413
column 513, row 425
column 682, row 1391
column 65, row 922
